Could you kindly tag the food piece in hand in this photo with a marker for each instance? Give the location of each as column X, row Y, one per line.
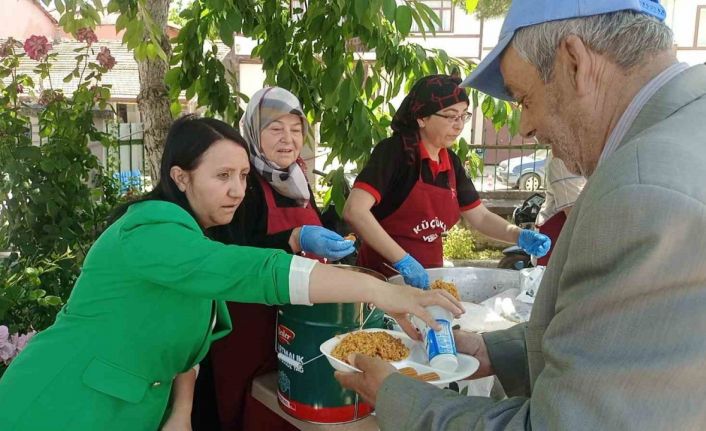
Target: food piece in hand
column 350, row 237
column 411, row 372
column 377, row 344
column 449, row 287
column 408, row 371
column 427, row 377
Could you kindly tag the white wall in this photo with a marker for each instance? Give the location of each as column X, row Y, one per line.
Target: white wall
column 681, row 18
column 463, row 42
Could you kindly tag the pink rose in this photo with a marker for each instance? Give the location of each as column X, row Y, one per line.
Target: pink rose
column 105, row 59
column 86, row 35
column 7, row 348
column 37, row 47
column 20, row 341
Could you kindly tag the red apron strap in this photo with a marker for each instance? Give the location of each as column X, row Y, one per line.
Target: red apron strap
column 283, row 218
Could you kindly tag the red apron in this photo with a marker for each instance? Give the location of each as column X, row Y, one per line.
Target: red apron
column 417, row 225
column 552, row 229
column 254, row 327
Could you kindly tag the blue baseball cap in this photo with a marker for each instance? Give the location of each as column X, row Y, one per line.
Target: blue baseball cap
column 524, row 13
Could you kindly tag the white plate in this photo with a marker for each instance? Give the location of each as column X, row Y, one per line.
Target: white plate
column 417, row 359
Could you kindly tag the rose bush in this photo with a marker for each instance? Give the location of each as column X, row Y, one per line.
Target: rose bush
column 55, row 196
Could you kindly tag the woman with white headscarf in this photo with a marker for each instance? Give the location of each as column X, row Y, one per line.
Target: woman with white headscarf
column 278, row 211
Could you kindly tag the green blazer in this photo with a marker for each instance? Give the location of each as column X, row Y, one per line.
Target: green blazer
column 142, row 311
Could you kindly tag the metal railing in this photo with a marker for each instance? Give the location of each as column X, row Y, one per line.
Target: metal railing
column 513, row 167
column 125, row 160
column 506, row 164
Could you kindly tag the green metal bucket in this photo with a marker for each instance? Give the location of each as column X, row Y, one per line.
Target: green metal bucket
column 306, row 388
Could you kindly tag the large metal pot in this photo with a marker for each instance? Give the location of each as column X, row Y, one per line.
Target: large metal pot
column 473, row 284
column 307, row 389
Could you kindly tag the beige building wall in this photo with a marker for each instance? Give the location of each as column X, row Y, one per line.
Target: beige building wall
column 24, row 18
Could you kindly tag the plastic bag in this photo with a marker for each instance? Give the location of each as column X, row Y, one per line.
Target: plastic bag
column 530, row 279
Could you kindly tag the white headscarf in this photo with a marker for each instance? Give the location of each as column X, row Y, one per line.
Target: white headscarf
column 266, row 106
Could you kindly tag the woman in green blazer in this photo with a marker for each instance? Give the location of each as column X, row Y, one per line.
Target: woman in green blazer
column 149, row 300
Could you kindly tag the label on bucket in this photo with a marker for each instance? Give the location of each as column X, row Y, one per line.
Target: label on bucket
column 285, row 335
column 440, row 342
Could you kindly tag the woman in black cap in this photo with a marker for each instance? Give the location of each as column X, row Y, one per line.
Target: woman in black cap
column 414, row 188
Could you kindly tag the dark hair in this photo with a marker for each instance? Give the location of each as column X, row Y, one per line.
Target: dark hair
column 428, row 95
column 188, row 139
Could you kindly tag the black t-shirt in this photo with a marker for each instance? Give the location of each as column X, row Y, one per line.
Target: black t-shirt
column 390, row 176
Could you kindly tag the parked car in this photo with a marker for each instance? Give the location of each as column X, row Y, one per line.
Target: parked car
column 524, row 172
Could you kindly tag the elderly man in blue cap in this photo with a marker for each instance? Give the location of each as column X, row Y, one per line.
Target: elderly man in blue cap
column 617, row 336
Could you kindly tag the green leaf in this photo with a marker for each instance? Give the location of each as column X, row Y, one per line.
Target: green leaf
column 345, row 95
column 139, row 52
column 360, row 7
column 175, row 108
column 488, row 107
column 429, row 12
column 234, row 20
column 5, row 304
column 338, row 187
column 171, row 78
column 151, row 50
column 500, row 115
column 36, row 294
column 388, row 8
column 443, row 56
column 514, row 123
column 217, row 5
column 377, row 102
column 359, row 74
column 89, row 11
column 52, row 300
column 105, row 92
column 420, row 23
column 190, row 92
column 471, row 5
column 59, row 5
column 403, row 19
column 122, row 22
column 226, row 34
column 462, row 151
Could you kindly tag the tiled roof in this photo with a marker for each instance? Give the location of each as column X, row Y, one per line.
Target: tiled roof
column 123, row 77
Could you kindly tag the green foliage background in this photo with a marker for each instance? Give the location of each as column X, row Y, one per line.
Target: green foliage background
column 54, row 197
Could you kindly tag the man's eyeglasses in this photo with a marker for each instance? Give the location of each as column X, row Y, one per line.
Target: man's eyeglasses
column 465, row 117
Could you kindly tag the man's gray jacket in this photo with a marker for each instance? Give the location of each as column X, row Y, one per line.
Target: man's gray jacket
column 617, row 337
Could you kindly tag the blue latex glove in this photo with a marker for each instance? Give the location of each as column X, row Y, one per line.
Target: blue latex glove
column 325, row 243
column 534, row 243
column 413, row 272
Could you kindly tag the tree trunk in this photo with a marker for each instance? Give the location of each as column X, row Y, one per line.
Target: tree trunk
column 153, row 100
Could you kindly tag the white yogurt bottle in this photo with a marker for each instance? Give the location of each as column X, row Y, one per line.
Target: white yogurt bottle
column 440, row 345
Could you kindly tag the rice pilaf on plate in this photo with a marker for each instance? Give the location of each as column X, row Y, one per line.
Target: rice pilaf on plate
column 377, row 344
